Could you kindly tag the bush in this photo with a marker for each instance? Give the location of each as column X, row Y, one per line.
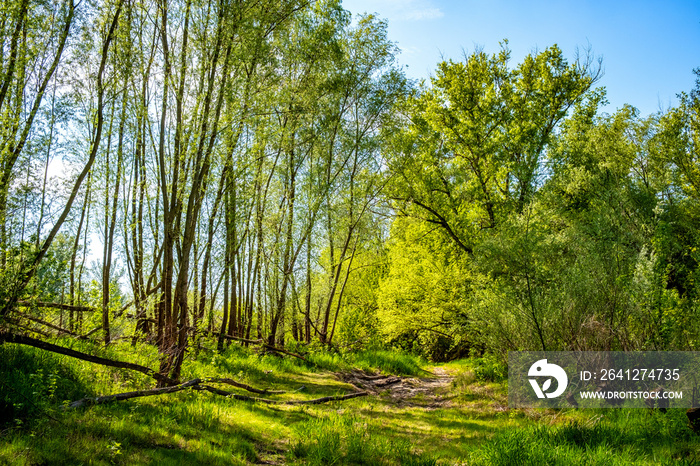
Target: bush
column 490, row 369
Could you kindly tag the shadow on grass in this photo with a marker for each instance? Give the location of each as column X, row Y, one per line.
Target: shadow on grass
column 184, row 429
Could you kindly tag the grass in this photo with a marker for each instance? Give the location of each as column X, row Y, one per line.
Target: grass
column 388, row 362
column 474, row 428
column 622, row 438
column 353, row 440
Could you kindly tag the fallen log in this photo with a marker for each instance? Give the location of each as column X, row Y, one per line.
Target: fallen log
column 63, row 307
column 242, row 386
column 289, row 353
column 316, row 401
column 267, row 346
column 90, row 333
column 47, row 324
column 91, row 401
column 197, row 384
column 244, row 340
column 70, row 307
column 29, row 341
column 18, row 324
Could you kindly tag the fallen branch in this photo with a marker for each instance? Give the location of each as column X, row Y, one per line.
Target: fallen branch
column 63, row 307
column 326, row 399
column 267, row 346
column 91, row 401
column 17, row 323
column 242, row 386
column 47, row 324
column 316, row 401
column 197, row 384
column 280, row 350
column 91, row 332
column 123, row 309
column 244, row 340
column 29, row 341
column 69, row 307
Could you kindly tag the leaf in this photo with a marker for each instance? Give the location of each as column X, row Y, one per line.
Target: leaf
column 546, row 385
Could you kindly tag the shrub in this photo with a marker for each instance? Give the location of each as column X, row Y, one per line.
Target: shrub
column 490, row 369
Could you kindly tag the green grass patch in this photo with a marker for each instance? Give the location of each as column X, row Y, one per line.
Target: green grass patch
column 631, row 437
column 385, row 361
column 390, row 362
column 34, row 383
column 351, row 440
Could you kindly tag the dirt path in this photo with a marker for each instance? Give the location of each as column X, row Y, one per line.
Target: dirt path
column 428, row 393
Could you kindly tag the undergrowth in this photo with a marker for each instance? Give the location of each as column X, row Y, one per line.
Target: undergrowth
column 34, row 383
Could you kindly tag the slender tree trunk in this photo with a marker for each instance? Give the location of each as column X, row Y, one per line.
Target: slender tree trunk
column 74, row 255
column 30, row 267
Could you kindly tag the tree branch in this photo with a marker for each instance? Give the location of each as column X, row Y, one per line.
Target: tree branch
column 29, row 341
column 128, row 395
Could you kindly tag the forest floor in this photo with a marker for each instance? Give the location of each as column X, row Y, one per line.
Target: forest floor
column 414, row 414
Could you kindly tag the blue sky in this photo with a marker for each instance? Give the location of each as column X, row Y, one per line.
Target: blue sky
column 649, row 48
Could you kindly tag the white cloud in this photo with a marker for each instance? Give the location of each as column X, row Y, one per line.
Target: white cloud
column 398, row 10
column 419, row 14
column 410, row 50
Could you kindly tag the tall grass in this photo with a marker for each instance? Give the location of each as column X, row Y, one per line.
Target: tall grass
column 490, row 369
column 33, row 383
column 182, row 428
column 623, row 437
column 350, row 440
column 391, row 362
column 199, row 428
column 385, row 361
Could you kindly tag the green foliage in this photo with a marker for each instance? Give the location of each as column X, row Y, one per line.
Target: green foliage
column 490, row 369
column 52, row 275
column 471, row 149
column 515, row 236
column 422, row 305
column 359, row 325
column 517, row 217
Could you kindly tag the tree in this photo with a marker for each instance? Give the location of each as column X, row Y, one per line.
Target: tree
column 468, row 161
column 469, row 151
column 26, row 268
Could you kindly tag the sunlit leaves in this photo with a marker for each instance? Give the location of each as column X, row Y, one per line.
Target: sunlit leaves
column 472, row 148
